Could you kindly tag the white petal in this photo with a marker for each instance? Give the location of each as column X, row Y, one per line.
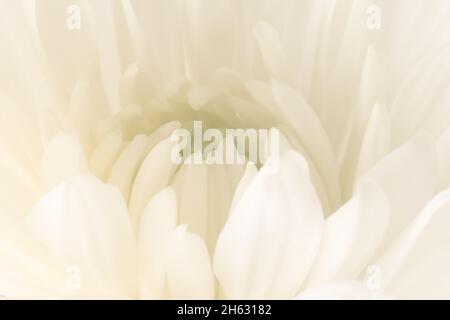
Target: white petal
column 272, row 50
column 443, row 149
column 128, row 163
column 249, row 175
column 415, row 109
column 366, row 114
column 351, row 236
column 416, row 266
column 312, row 136
column 270, row 240
column 67, row 52
column 205, row 193
column 63, row 158
column 157, row 225
column 191, row 184
column 19, row 133
column 105, row 154
column 19, row 190
column 155, row 173
column 376, row 143
column 85, row 225
column 408, row 177
column 26, row 270
column 101, row 14
column 87, row 107
column 188, row 266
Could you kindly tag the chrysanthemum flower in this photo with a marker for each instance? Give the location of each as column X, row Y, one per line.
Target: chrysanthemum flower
column 92, row 205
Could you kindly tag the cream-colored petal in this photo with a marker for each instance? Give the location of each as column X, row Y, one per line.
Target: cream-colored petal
column 416, row 266
column 272, row 50
column 270, row 240
column 63, row 158
column 87, row 107
column 408, row 176
column 309, row 131
column 26, row 269
column 376, row 142
column 19, row 189
column 443, row 150
column 105, row 154
column 191, row 184
column 249, row 175
column 157, row 225
column 352, row 236
column 70, row 55
column 416, row 109
column 85, row 225
column 19, row 133
column 188, row 266
column 155, row 174
column 128, row 164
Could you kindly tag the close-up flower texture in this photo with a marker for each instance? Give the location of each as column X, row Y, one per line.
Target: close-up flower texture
column 353, row 203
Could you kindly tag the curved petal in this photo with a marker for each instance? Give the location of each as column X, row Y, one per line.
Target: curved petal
column 85, row 225
column 154, row 174
column 270, row 240
column 416, row 266
column 26, row 269
column 352, row 236
column 408, row 176
column 188, row 266
column 157, row 225
column 299, row 115
column 63, row 158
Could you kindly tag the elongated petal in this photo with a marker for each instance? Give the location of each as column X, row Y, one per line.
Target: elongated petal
column 416, row 266
column 188, row 266
column 19, row 190
column 157, row 225
column 312, row 136
column 351, row 236
column 155, row 173
column 408, row 176
column 128, row 164
column 105, row 154
column 85, row 225
column 376, row 141
column 63, row 159
column 26, row 269
column 270, row 240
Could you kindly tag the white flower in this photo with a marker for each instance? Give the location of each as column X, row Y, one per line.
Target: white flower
column 91, row 205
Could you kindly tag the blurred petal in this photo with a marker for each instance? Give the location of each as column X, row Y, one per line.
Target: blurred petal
column 408, row 176
column 63, row 159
